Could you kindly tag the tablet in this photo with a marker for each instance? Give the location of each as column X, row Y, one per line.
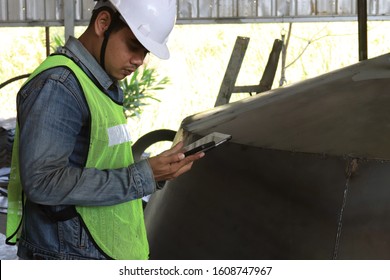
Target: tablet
column 206, row 143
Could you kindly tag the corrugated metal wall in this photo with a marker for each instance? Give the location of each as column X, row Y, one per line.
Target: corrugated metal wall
column 51, row 12
column 277, row 9
column 42, row 12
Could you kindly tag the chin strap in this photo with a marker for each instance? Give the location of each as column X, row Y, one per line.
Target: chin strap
column 105, row 40
column 104, row 46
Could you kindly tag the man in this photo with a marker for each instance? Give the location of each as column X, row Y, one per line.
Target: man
column 72, row 165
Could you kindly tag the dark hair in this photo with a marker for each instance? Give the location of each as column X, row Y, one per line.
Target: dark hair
column 116, row 22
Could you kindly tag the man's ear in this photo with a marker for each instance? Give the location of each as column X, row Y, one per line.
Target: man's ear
column 102, row 22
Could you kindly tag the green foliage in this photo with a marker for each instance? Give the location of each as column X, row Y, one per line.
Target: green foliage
column 58, row 41
column 140, row 87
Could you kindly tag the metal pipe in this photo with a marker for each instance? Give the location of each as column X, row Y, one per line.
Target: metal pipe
column 47, row 35
column 69, row 18
column 362, row 22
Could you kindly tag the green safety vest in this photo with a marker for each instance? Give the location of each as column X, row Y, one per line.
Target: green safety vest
column 118, row 230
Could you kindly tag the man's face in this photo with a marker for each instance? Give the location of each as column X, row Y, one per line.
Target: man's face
column 124, row 54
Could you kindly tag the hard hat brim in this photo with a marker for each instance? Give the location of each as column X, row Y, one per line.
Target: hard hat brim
column 159, row 50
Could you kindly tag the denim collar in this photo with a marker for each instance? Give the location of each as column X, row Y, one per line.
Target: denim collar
column 76, row 51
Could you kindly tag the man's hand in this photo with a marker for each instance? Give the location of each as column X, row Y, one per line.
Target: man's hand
column 172, row 163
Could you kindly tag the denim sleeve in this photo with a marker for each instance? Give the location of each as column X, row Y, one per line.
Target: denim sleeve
column 51, row 114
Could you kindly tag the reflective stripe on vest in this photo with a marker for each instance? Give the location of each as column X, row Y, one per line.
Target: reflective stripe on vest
column 118, row 230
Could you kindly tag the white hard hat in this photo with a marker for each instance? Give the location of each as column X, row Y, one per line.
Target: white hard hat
column 151, row 21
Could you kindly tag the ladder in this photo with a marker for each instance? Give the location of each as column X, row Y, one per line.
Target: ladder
column 228, row 83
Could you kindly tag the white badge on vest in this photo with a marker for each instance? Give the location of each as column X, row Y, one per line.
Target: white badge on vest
column 118, row 134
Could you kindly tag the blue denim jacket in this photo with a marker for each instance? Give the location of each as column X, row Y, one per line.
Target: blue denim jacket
column 54, row 124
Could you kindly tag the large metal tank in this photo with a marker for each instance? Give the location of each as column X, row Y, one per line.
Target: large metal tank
column 305, row 176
